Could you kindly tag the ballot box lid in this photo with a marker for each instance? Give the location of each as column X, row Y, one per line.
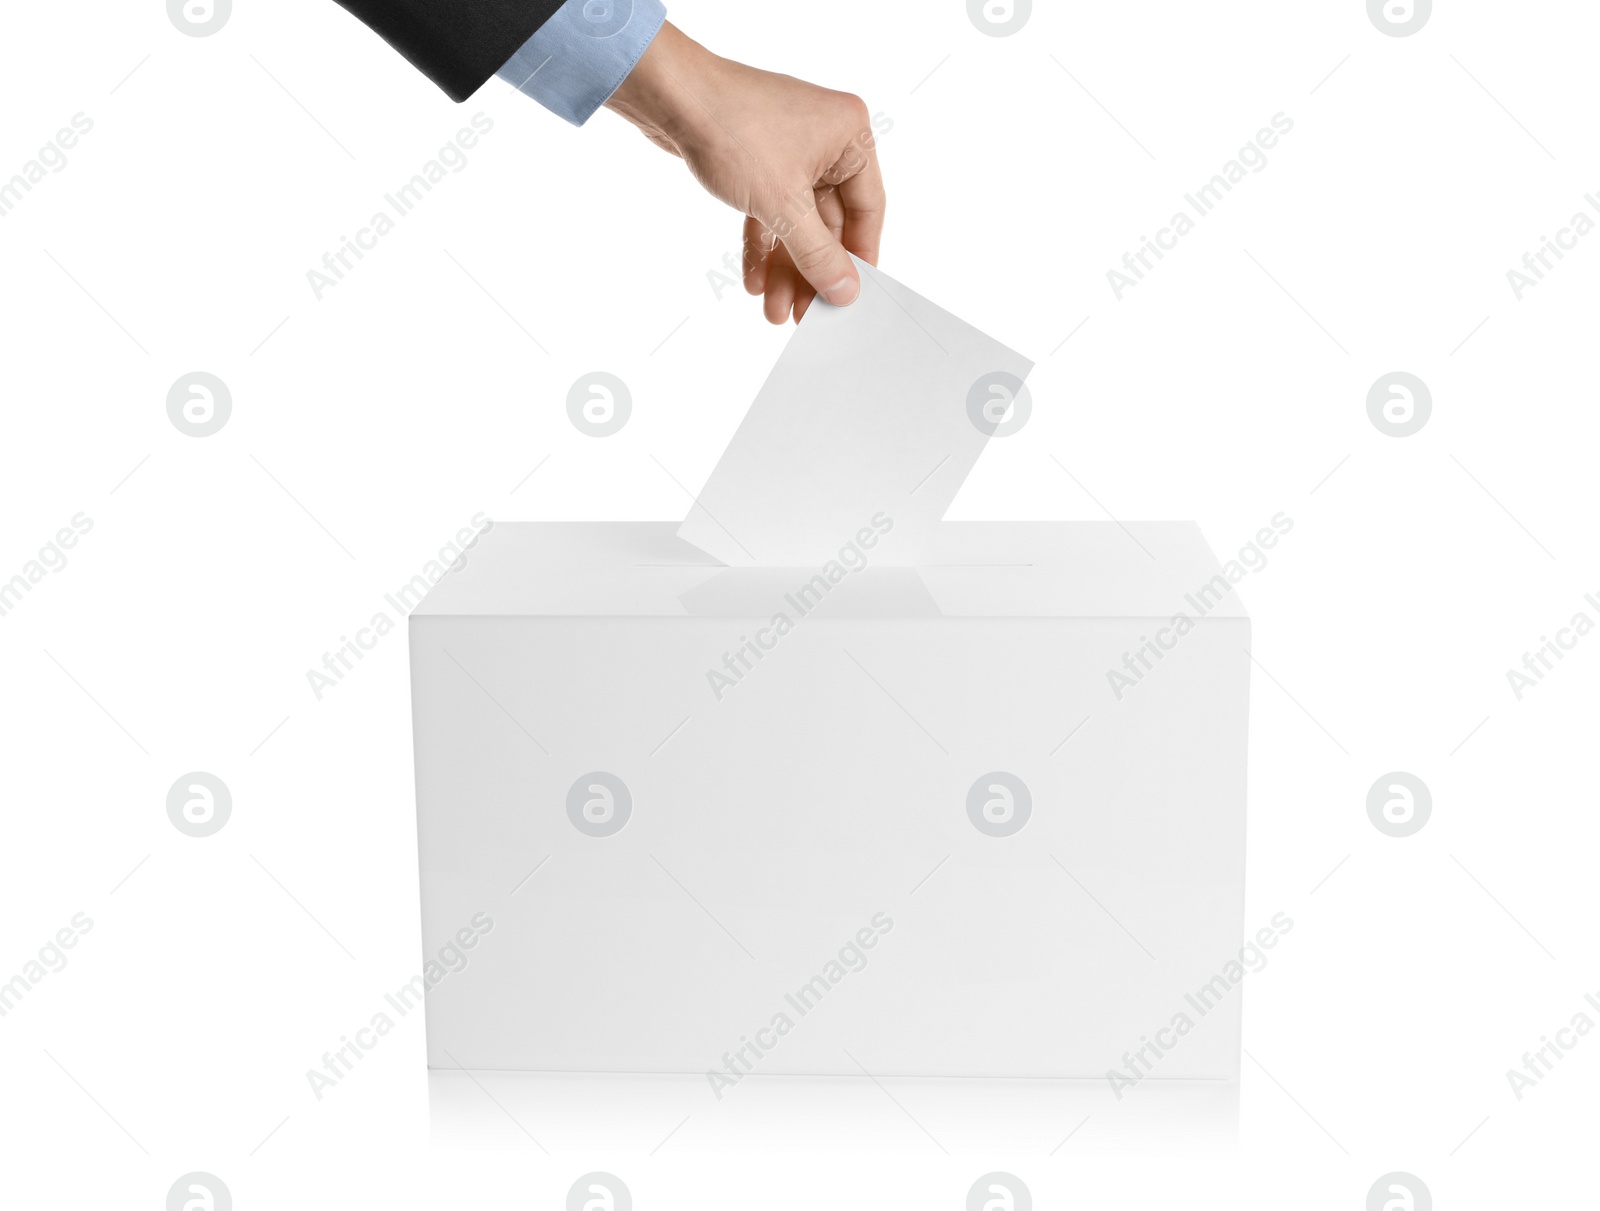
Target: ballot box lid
column 970, row 569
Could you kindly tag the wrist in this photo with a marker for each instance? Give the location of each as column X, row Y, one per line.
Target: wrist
column 655, row 97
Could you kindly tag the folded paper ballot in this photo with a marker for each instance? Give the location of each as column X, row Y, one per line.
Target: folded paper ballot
column 874, row 411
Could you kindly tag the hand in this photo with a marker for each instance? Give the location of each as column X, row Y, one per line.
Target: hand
column 797, row 160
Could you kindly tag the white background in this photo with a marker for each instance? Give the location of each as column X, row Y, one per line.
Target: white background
column 368, row 427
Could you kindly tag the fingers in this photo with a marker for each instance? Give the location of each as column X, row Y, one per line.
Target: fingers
column 822, row 260
column 831, row 207
column 864, row 205
column 859, row 179
column 758, row 246
column 781, row 281
column 768, row 270
column 786, row 288
column 804, row 296
column 821, row 226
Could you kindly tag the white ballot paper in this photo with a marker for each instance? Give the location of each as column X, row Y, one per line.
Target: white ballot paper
column 870, row 421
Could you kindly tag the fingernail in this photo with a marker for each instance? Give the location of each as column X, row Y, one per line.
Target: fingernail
column 843, row 292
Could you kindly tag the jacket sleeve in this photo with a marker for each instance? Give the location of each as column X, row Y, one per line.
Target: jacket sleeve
column 458, row 44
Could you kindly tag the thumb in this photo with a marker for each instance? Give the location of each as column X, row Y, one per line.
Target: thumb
column 822, row 260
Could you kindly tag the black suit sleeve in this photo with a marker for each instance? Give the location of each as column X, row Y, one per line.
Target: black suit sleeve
column 458, row 44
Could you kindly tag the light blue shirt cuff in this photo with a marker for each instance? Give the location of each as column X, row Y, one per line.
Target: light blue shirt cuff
column 583, row 54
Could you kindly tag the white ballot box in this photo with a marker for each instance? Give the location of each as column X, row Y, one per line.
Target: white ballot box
column 982, row 815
